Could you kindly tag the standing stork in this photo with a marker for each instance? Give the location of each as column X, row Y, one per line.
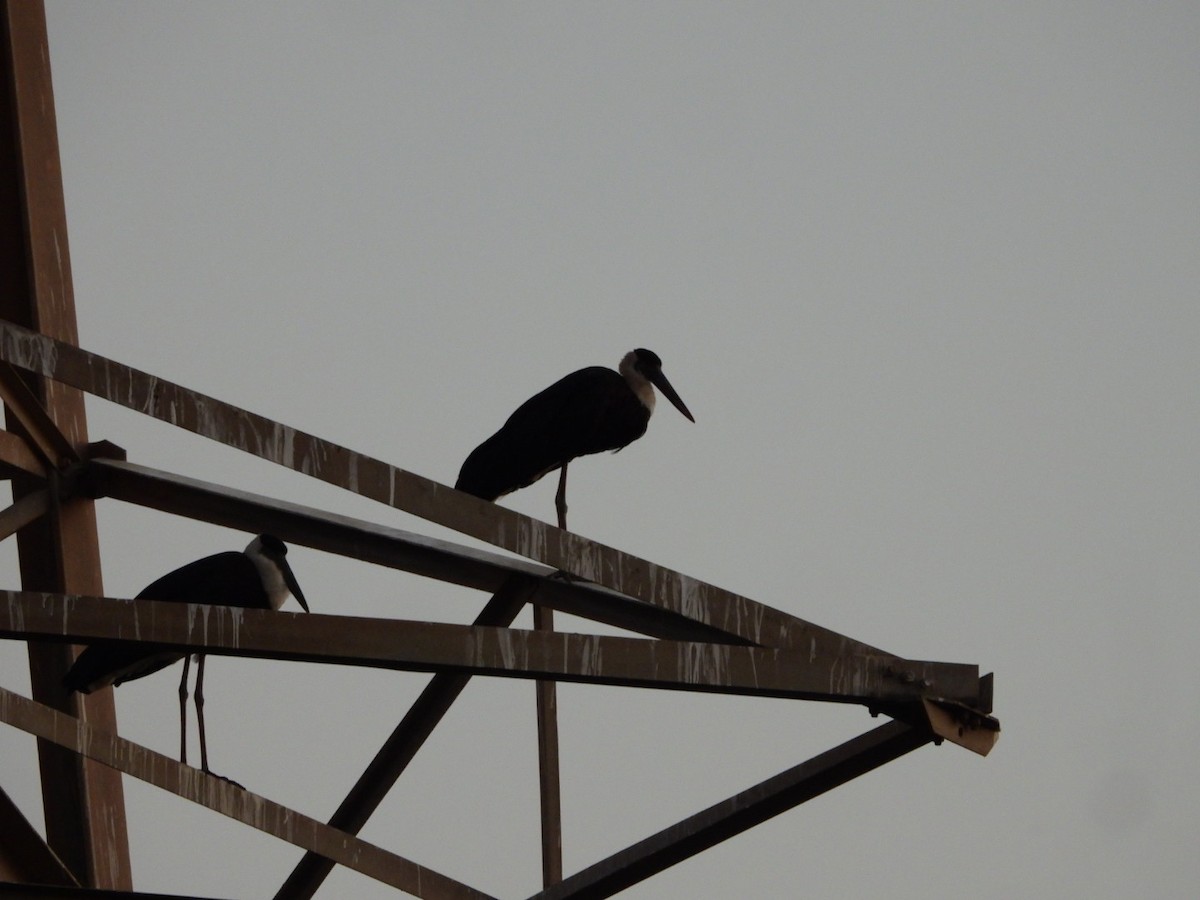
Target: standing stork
column 589, row 411
column 257, row 578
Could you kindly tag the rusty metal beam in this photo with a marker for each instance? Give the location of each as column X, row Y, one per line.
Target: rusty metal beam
column 423, row 497
column 18, row 457
column 961, row 724
column 225, row 797
column 84, row 804
column 24, row 856
column 392, row 547
column 738, row 813
column 28, row 509
column 505, row 652
column 402, row 745
column 43, row 434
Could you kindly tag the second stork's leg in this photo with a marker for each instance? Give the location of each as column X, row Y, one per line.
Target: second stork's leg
column 200, row 711
column 560, row 499
column 183, row 697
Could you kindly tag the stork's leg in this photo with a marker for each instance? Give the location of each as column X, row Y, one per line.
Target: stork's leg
column 547, row 719
column 560, row 499
column 183, row 696
column 200, row 711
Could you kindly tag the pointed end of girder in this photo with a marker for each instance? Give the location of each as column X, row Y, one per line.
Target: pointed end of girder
column 961, row 724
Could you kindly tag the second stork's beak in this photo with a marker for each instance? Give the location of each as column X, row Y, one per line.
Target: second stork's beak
column 659, row 380
column 293, row 585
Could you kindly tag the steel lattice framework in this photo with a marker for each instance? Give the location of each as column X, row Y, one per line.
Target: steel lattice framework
column 695, row 637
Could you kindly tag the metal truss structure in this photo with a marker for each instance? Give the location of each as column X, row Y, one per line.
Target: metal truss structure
column 693, row 636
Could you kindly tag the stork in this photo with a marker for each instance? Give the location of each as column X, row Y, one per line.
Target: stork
column 589, row 411
column 257, row 578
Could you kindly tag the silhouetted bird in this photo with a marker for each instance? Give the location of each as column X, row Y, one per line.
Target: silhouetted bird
column 589, row 411
column 257, row 578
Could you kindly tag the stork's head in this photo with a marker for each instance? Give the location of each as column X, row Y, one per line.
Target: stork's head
column 269, row 554
column 642, row 367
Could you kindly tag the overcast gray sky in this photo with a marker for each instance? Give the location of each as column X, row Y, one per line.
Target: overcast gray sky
column 926, row 274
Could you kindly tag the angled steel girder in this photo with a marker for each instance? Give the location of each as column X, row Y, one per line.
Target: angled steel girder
column 44, row 438
column 17, row 457
column 24, row 856
column 29, row 508
column 562, row 550
column 382, row 545
column 402, row 745
column 744, row 810
column 223, row 796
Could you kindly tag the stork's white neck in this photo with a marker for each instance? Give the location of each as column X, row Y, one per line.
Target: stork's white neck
column 272, row 579
column 638, row 383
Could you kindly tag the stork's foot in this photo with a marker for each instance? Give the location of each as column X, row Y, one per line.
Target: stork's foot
column 560, row 575
column 236, row 784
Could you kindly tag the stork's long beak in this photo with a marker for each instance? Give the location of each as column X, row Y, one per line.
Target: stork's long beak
column 659, row 380
column 293, row 585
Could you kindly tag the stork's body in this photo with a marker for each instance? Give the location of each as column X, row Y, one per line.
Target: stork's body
column 257, row 578
column 589, row 411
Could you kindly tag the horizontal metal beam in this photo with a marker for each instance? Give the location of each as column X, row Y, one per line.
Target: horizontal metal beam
column 228, row 799
column 506, row 652
column 392, row 547
column 414, row 494
column 739, row 813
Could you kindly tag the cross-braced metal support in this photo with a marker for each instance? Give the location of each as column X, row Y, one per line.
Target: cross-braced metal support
column 697, row 637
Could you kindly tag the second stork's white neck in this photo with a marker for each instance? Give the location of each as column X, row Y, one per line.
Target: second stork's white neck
column 268, row 570
column 638, row 383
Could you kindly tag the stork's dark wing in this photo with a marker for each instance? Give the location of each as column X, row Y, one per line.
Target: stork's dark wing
column 229, row 578
column 566, row 420
column 226, row 578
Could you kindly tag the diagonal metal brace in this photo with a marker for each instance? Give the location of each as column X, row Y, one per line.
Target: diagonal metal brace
column 44, row 435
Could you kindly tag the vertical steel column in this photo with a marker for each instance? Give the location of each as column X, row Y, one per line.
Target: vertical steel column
column 549, row 782
column 548, row 777
column 84, row 804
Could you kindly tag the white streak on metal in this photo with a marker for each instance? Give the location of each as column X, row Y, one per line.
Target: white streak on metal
column 508, row 652
column 591, row 655
column 235, row 622
column 836, row 676
column 16, row 613
column 58, row 263
column 531, row 539
column 32, row 351
column 289, row 446
column 691, row 600
column 701, row 663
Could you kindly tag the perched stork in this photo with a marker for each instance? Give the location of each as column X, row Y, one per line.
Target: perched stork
column 589, row 411
column 257, row 578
